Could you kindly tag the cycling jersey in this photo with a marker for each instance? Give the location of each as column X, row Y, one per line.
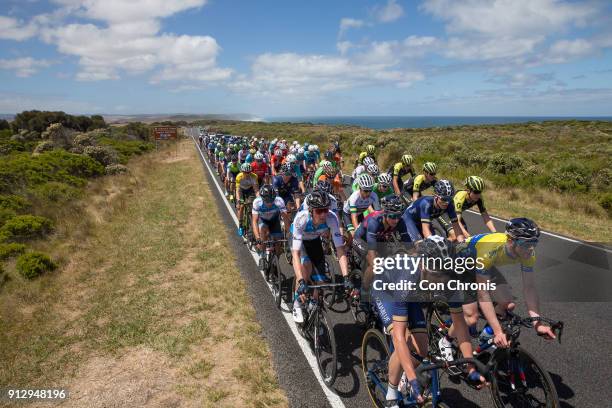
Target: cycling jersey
column 310, row 158
column 242, row 154
column 286, row 189
column 260, row 169
column 372, row 230
column 418, row 183
column 356, row 204
column 303, row 229
column 268, row 213
column 461, row 202
column 423, row 211
column 277, row 162
column 399, row 170
column 246, row 181
column 358, row 170
column 382, row 194
column 492, row 250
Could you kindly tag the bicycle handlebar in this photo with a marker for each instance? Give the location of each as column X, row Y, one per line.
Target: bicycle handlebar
column 555, row 325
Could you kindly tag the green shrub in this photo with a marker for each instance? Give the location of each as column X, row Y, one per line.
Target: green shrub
column 504, row 163
column 5, row 215
column 55, row 191
column 34, row 264
column 605, row 201
column 104, row 155
column 13, row 202
column 116, row 169
column 9, row 250
column 24, row 227
column 603, row 179
column 571, row 177
column 44, row 146
column 126, row 148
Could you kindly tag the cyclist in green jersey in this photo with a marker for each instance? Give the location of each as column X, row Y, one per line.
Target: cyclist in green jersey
column 233, row 169
column 383, row 186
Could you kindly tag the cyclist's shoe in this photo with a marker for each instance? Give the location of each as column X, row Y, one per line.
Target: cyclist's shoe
column 446, row 349
column 226, row 194
column 298, row 314
column 392, row 403
column 231, row 197
column 240, row 231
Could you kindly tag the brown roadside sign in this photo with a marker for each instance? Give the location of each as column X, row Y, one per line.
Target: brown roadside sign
column 165, row 132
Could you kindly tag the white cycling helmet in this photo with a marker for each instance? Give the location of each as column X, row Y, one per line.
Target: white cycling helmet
column 384, row 178
column 365, row 181
column 368, row 161
column 311, row 148
column 316, row 147
column 291, row 158
column 259, row 156
column 301, row 150
column 373, row 170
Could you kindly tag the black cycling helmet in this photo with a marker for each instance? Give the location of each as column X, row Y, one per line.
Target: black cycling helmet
column 318, row 199
column 324, row 186
column 436, row 246
column 444, row 188
column 392, row 204
column 267, row 193
column 522, row 228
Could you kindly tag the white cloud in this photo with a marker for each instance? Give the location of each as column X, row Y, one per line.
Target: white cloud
column 24, row 67
column 12, row 29
column 389, row 12
column 347, row 22
column 565, row 50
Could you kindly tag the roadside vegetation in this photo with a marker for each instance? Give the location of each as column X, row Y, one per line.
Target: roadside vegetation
column 141, row 302
column 557, row 172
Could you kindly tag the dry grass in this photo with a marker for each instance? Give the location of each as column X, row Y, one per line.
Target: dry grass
column 148, row 308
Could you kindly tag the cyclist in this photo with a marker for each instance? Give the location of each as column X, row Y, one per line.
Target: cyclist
column 267, row 210
column 413, row 188
column 361, row 168
column 307, row 248
column 287, row 185
column 261, row 169
column 382, row 188
column 369, row 152
column 291, row 160
column 425, row 209
column 233, row 169
column 358, row 202
column 400, row 169
column 276, row 161
column 372, row 170
column 465, row 199
column 246, row 183
column 251, row 156
column 326, row 187
column 515, row 246
column 242, row 154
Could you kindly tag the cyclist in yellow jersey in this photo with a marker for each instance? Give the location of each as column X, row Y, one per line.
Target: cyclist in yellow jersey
column 369, row 152
column 399, row 169
column 413, row 188
column 246, row 183
column 516, row 246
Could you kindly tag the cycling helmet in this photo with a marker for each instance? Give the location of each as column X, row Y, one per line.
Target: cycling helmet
column 301, row 150
column 282, row 146
column 311, row 148
column 234, row 157
column 318, row 199
column 436, row 246
column 475, row 183
column 286, row 169
column 245, row 168
column 384, row 179
column 278, row 153
column 444, row 188
column 291, row 158
column 365, row 181
column 367, row 161
column 407, row 159
column 259, row 156
column 295, row 142
column 430, row 167
column 324, row 185
column 392, row 204
column 373, row 170
column 370, row 149
column 267, row 193
column 316, row 147
column 522, row 228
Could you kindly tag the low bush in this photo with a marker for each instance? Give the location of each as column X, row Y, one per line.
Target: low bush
column 9, row 250
column 126, row 148
column 570, row 177
column 44, row 146
column 104, row 155
column 116, row 169
column 34, row 264
column 605, row 201
column 13, row 202
column 25, row 227
column 56, row 192
column 505, row 163
column 5, row 215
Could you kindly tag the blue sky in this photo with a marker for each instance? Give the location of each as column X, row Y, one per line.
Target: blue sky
column 300, row 58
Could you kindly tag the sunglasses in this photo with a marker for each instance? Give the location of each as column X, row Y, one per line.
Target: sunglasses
column 383, row 186
column 366, row 191
column 321, row 210
column 394, row 216
column 445, row 199
column 527, row 244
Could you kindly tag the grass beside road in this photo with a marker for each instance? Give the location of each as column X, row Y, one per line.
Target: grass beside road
column 148, row 307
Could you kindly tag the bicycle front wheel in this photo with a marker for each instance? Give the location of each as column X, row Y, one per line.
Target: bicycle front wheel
column 325, row 348
column 519, row 380
column 375, row 365
column 276, row 281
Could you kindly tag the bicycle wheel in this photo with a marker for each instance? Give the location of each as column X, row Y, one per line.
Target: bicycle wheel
column 375, row 365
column 287, row 249
column 276, row 279
column 325, row 348
column 537, row 390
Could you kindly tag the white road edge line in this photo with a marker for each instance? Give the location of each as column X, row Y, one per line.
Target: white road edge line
column 334, row 400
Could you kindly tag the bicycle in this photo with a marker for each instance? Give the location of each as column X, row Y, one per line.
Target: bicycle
column 245, row 222
column 272, row 270
column 316, row 329
column 376, row 349
column 508, row 364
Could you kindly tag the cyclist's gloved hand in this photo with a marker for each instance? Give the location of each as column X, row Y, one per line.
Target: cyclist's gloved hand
column 302, row 287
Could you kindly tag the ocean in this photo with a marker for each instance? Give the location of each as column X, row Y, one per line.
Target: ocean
column 389, row 122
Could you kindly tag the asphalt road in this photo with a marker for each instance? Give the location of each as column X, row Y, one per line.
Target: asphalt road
column 574, row 282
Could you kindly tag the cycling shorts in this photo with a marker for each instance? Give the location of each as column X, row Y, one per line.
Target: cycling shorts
column 411, row 312
column 348, row 224
column 273, row 225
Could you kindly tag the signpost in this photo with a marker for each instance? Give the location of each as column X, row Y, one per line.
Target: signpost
column 162, row 133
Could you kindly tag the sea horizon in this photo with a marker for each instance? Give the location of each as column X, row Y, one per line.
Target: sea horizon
column 391, row 122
